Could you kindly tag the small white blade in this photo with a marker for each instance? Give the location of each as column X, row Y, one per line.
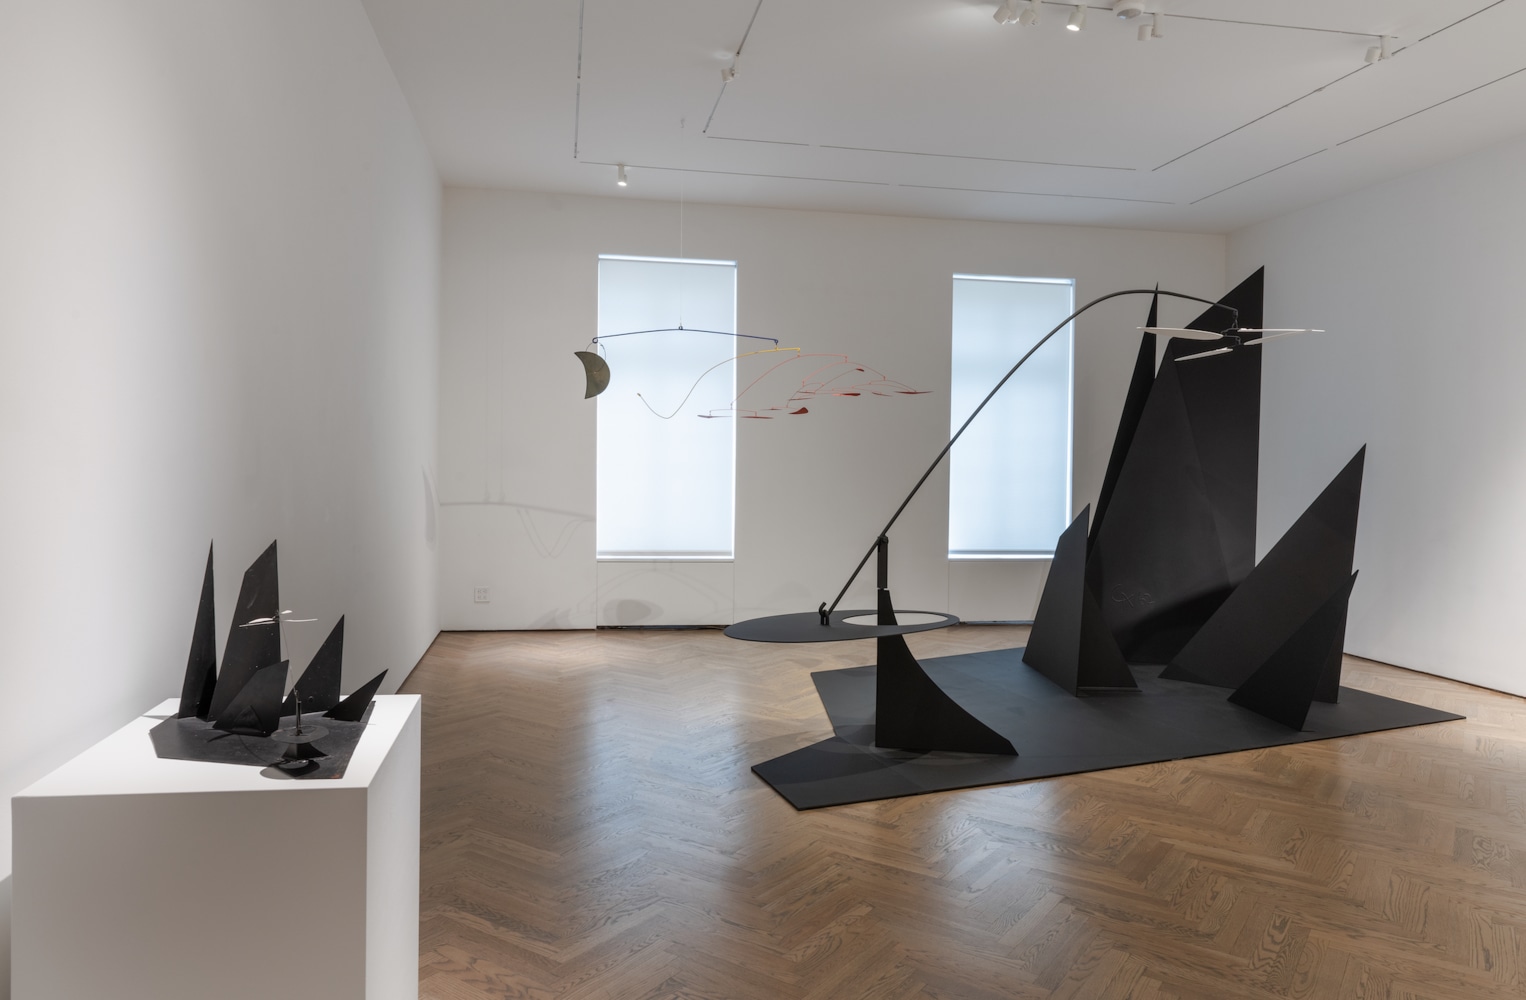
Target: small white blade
column 1206, row 354
column 1273, row 335
column 1169, row 331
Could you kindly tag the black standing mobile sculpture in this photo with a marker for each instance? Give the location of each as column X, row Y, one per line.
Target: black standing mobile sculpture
column 913, row 712
column 1164, row 574
column 235, row 716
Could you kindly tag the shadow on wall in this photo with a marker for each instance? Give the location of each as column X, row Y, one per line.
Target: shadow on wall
column 431, row 510
column 630, row 612
column 548, row 529
column 665, row 593
column 5, row 938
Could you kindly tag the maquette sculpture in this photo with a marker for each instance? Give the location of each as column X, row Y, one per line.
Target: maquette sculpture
column 235, row 716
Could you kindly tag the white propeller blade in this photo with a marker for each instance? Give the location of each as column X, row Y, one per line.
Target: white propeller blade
column 1206, row 354
column 1169, row 331
column 1274, row 334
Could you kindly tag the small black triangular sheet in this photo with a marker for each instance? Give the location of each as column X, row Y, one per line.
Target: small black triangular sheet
column 250, row 647
column 319, row 683
column 913, row 713
column 1128, row 421
column 1069, row 643
column 1310, row 561
column 1179, row 531
column 354, row 707
column 201, row 666
column 1283, row 688
column 1329, row 689
column 256, row 709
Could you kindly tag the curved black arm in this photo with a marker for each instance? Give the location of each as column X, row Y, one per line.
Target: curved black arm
column 825, row 611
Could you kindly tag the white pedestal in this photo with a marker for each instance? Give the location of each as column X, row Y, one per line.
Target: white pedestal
column 136, row 878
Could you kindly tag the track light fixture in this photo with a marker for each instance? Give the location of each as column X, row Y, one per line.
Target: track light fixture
column 1007, row 12
column 1077, row 18
column 1127, row 10
column 620, row 175
column 1030, row 14
column 1157, row 29
column 729, row 72
column 1144, row 32
column 1381, row 51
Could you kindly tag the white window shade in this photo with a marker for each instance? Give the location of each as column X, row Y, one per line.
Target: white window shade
column 1009, row 475
column 666, row 487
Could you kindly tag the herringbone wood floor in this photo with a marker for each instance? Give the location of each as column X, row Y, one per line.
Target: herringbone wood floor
column 591, row 830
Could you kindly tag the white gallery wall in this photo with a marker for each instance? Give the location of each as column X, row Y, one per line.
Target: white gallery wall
column 1419, row 282
column 218, row 310
column 517, row 446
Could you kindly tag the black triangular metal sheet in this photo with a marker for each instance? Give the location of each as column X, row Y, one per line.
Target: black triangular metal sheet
column 1102, row 664
column 1054, row 641
column 1180, row 528
column 1223, row 399
column 1157, row 566
column 1069, row 642
column 353, row 708
column 1329, row 689
column 1128, row 421
column 201, row 666
column 1311, row 560
column 1282, row 688
column 913, row 713
column 256, row 708
column 249, row 649
column 319, row 683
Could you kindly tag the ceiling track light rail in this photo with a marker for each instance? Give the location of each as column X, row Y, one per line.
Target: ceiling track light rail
column 1134, row 11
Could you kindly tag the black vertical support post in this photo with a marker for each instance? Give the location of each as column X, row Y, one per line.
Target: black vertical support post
column 882, row 573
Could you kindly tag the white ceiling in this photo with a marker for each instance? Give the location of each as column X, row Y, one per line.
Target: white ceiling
column 928, row 107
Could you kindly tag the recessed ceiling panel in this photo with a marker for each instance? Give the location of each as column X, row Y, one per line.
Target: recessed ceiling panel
column 1239, row 111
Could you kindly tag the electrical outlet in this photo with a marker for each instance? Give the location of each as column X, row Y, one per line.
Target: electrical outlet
column 480, row 595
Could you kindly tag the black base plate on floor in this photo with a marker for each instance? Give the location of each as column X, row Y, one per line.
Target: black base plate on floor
column 1055, row 732
column 193, row 739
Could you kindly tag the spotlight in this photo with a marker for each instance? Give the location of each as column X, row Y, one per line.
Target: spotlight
column 1007, row 12
column 1157, row 29
column 1382, row 50
column 1030, row 14
column 1127, row 10
column 1077, row 18
column 1144, row 32
column 620, row 175
column 729, row 73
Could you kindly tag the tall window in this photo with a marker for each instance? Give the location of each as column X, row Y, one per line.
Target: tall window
column 1009, row 476
column 666, row 475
